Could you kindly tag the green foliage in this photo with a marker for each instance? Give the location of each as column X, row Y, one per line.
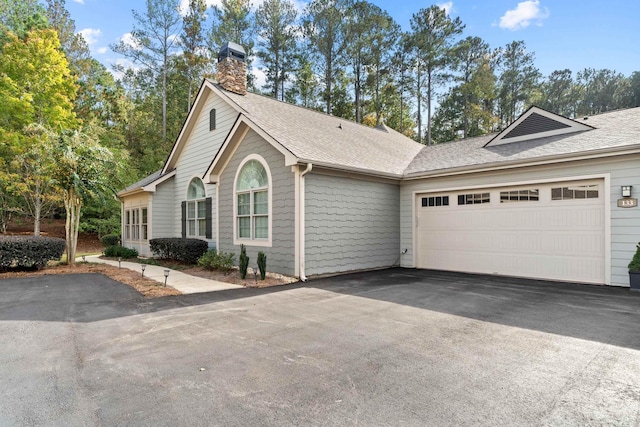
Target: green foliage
column 214, row 260
column 244, row 262
column 262, row 264
column 634, row 265
column 179, row 249
column 110, row 240
column 29, row 252
column 117, row 251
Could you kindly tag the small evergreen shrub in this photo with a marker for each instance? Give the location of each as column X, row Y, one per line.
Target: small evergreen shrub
column 214, row 260
column 187, row 251
column 634, row 265
column 244, row 262
column 110, row 240
column 116, row 251
column 262, row 264
column 29, row 251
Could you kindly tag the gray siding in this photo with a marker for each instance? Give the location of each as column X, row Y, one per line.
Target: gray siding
column 350, row 224
column 625, row 223
column 198, row 153
column 281, row 255
column 162, row 210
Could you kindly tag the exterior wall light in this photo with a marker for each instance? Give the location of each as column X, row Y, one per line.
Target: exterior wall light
column 143, row 267
column 626, row 191
column 166, row 274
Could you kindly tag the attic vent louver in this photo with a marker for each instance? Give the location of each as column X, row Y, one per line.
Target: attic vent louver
column 535, row 123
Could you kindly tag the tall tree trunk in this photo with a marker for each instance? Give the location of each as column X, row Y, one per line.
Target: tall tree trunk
column 419, row 99
column 37, row 211
column 429, row 107
column 72, row 205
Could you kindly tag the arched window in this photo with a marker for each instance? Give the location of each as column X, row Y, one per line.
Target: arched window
column 252, row 201
column 196, row 209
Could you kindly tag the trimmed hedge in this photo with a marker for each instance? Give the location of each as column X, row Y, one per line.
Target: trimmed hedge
column 115, row 251
column 29, row 251
column 179, row 249
column 110, row 240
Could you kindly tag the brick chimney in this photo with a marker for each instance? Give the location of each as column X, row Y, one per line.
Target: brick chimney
column 232, row 68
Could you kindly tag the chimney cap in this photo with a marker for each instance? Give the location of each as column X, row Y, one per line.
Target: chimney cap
column 232, row 50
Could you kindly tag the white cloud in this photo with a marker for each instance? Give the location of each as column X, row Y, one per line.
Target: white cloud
column 447, row 7
column 260, row 78
column 128, row 39
column 90, row 35
column 79, row 1
column 523, row 14
column 102, row 50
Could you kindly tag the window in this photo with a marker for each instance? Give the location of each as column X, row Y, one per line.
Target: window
column 196, row 209
column 519, row 195
column 575, row 192
column 474, row 199
column 435, row 201
column 127, row 224
column 136, row 224
column 144, row 224
column 252, row 201
column 212, row 119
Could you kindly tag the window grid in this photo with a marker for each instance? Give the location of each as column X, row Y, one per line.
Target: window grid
column 528, row 195
column 433, row 201
column 575, row 192
column 474, row 198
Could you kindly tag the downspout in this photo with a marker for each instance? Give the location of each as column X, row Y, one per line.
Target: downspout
column 302, row 220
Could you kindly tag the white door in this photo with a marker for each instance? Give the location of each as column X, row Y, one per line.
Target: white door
column 547, row 231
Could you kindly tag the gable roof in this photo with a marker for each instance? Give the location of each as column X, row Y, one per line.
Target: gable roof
column 537, row 123
column 314, row 137
column 609, row 132
column 148, row 183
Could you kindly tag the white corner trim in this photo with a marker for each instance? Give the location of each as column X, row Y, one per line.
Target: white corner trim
column 253, row 242
column 302, row 222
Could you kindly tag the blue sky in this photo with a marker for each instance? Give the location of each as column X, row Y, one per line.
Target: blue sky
column 562, row 33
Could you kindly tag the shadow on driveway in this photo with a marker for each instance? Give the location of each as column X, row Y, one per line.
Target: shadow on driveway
column 596, row 313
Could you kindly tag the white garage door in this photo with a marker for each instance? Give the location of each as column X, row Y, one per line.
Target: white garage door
column 547, row 231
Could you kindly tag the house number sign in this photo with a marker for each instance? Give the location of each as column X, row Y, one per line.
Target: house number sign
column 627, row 202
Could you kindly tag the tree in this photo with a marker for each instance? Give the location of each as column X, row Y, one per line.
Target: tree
column 275, row 25
column 304, row 90
column 194, row 59
column 559, row 94
column 19, row 17
column 601, row 90
column 323, row 29
column 517, row 81
column 433, row 34
column 153, row 40
column 35, row 186
column 84, row 169
column 232, row 22
column 634, row 83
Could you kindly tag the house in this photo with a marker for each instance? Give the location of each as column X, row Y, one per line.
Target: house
column 322, row 195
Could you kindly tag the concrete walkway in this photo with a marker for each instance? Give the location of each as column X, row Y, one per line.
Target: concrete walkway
column 185, row 283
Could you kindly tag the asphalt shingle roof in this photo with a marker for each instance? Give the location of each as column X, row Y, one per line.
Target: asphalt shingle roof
column 615, row 129
column 144, row 181
column 317, row 137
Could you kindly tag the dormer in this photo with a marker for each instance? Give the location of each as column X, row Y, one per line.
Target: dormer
column 537, row 123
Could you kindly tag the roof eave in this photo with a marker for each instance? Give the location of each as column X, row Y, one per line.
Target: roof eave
column 484, row 167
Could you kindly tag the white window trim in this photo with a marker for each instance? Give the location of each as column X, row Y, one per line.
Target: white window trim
column 253, row 242
column 196, row 201
column 133, row 228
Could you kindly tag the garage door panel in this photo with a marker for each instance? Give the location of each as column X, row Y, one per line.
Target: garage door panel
column 557, row 240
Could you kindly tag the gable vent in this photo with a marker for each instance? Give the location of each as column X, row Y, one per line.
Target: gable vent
column 212, row 119
column 535, row 123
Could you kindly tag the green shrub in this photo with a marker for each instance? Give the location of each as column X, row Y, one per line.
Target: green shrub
column 214, row 260
column 116, row 251
column 110, row 240
column 29, row 251
column 634, row 265
column 179, row 249
column 262, row 265
column 244, row 262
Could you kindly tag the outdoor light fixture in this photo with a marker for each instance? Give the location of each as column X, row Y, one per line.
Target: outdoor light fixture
column 166, row 274
column 255, row 274
column 119, row 261
column 626, row 191
column 143, row 267
column 84, row 258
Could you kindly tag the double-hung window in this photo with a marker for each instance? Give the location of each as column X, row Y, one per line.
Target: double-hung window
column 196, row 209
column 252, row 202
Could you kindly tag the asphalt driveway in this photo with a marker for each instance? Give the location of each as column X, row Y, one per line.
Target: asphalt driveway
column 397, row 347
